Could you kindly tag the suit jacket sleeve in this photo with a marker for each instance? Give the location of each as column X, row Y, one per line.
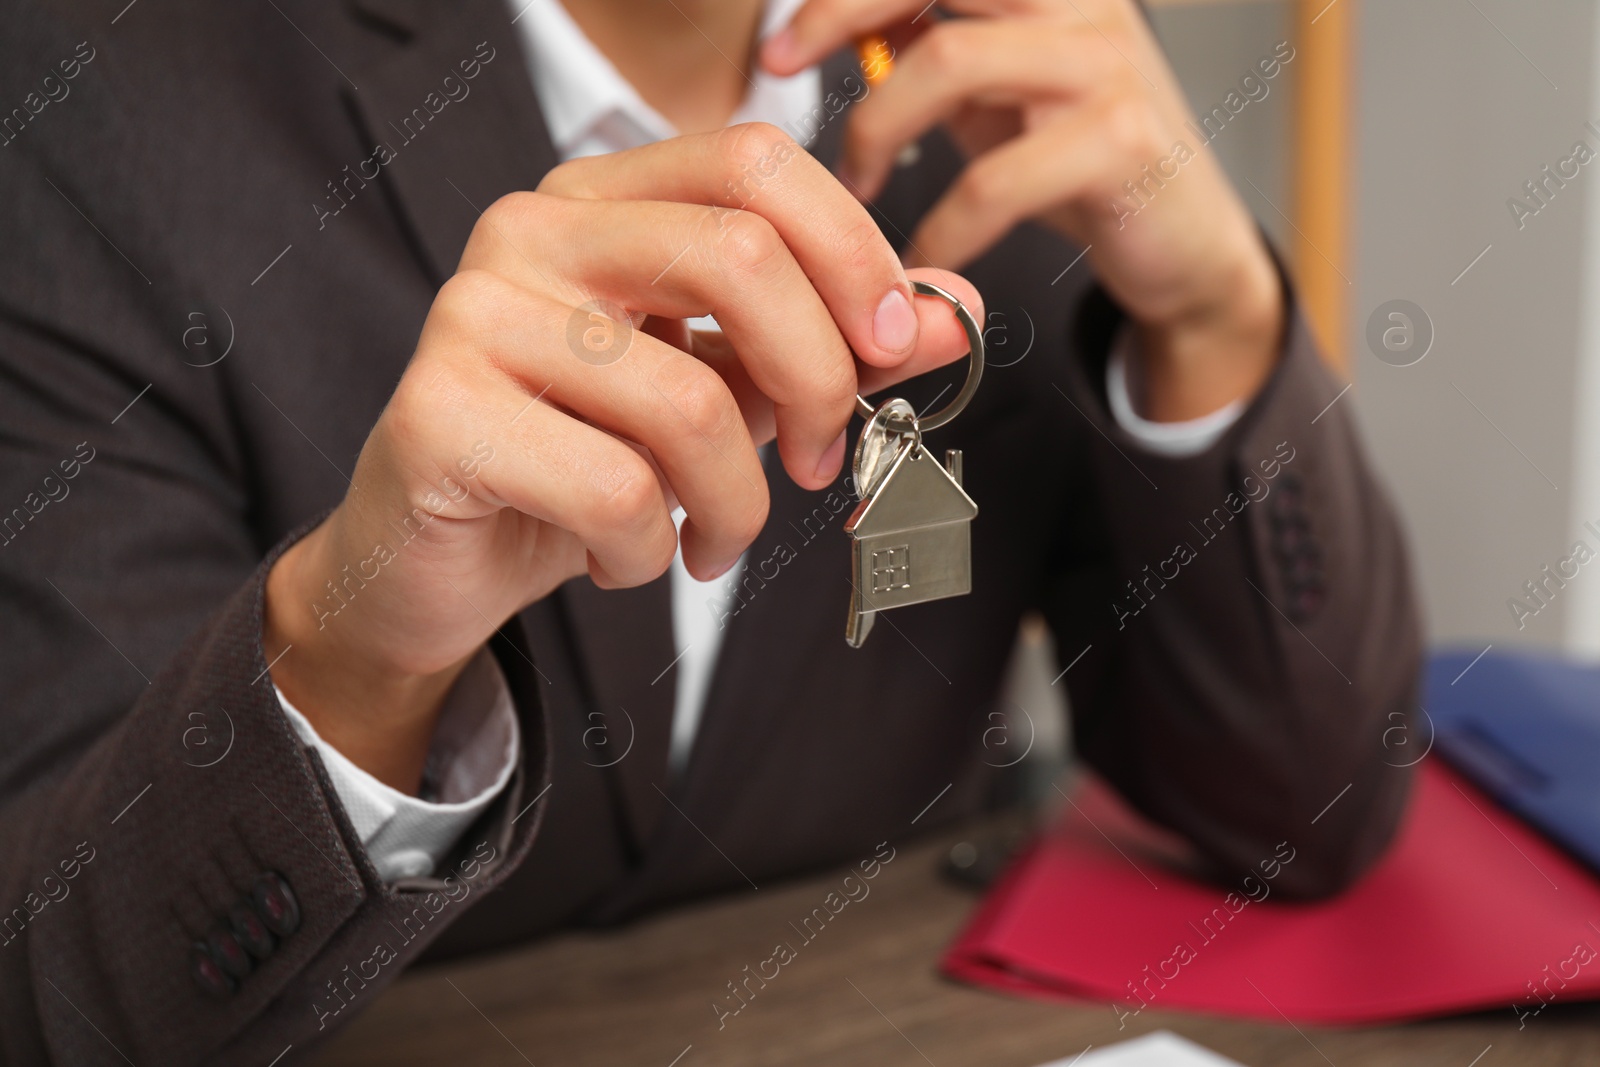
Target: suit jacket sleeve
column 149, row 779
column 1253, row 635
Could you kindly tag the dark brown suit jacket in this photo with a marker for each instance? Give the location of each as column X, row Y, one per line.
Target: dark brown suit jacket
column 193, row 346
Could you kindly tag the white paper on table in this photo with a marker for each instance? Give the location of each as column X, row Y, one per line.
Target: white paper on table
column 1159, row 1049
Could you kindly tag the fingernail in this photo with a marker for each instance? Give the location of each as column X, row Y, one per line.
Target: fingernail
column 894, row 325
column 780, row 46
column 719, row 571
column 832, row 459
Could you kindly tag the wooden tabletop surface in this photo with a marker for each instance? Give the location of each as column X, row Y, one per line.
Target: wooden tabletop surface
column 864, row 992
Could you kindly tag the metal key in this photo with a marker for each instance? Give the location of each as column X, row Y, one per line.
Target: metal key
column 911, row 534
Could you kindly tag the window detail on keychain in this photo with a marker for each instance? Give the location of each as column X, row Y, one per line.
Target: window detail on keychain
column 891, row 568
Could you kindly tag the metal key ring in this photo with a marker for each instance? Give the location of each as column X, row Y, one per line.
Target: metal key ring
column 974, row 373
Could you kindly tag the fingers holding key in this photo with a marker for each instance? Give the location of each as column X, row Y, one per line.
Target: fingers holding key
column 678, row 261
column 758, row 169
column 578, row 456
column 790, row 362
column 678, row 410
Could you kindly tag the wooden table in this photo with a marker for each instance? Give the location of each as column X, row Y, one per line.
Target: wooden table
column 865, row 992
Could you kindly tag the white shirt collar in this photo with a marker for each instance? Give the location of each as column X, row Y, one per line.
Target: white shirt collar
column 589, row 107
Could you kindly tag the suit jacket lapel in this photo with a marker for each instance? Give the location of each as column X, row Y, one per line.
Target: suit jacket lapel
column 453, row 148
column 624, row 641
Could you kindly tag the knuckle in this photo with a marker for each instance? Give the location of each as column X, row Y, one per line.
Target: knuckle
column 944, row 46
column 749, row 245
column 468, row 288
column 752, row 145
column 984, row 189
column 417, row 417
column 574, row 179
column 559, row 178
column 503, row 222
column 406, row 414
column 470, row 301
column 697, row 395
column 862, row 246
column 512, row 210
column 1105, row 16
column 1133, row 129
column 625, row 495
column 835, row 383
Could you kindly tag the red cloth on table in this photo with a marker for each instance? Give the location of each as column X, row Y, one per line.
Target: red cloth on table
column 1469, row 909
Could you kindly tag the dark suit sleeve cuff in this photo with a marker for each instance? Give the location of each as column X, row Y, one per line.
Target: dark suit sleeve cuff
column 202, row 791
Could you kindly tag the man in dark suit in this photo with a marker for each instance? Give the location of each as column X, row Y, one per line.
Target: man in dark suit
column 333, row 541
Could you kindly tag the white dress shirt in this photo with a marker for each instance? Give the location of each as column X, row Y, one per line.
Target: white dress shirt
column 471, row 758
column 1175, row 439
column 590, row 108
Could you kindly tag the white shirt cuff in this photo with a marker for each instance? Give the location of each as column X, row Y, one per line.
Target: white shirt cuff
column 473, row 754
column 1175, row 439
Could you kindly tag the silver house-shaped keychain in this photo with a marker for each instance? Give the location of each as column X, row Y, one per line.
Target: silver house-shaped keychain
column 911, row 536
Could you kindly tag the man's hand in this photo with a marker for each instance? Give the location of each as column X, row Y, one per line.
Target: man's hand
column 1057, row 104
column 533, row 439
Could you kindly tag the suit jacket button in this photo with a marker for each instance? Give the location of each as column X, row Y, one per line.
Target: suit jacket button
column 209, row 975
column 274, row 901
column 1290, row 534
column 1303, row 569
column 250, row 931
column 229, row 954
column 1289, row 499
column 1305, row 601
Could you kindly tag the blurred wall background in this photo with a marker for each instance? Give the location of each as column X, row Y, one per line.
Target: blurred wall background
column 1488, row 440
column 1491, row 441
